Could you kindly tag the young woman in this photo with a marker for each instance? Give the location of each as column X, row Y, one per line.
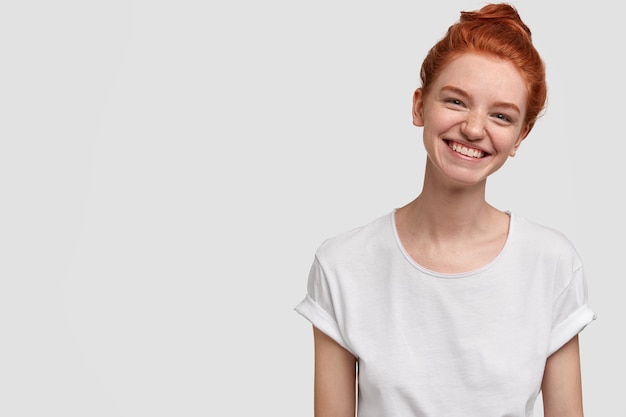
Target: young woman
column 448, row 306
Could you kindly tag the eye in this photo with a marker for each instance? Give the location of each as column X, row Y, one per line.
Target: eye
column 503, row 117
column 454, row 101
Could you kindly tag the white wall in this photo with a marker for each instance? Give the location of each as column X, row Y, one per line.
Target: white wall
column 167, row 170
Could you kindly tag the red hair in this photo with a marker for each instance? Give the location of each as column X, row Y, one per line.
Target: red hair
column 496, row 29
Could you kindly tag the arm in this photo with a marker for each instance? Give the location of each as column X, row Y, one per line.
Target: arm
column 335, row 378
column 561, row 386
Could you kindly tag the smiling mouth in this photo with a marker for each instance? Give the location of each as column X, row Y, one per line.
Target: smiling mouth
column 463, row 150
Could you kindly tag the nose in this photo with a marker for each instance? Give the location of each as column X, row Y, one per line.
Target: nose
column 473, row 127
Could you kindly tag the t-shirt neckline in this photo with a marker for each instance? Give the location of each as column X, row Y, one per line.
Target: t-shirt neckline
column 472, row 272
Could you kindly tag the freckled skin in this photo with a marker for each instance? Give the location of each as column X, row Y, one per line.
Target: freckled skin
column 478, row 101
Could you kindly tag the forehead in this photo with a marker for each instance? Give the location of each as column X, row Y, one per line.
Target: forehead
column 484, row 76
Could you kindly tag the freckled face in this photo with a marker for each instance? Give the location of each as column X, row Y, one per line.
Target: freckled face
column 473, row 117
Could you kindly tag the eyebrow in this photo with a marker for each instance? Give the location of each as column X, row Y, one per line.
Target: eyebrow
column 463, row 93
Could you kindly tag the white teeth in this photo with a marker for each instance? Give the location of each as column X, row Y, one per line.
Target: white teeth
column 474, row 153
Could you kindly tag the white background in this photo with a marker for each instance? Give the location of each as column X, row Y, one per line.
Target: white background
column 167, row 170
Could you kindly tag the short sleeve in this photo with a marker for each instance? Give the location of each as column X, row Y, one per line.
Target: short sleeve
column 318, row 308
column 571, row 312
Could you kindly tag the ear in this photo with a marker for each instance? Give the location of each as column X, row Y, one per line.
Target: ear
column 418, row 107
column 521, row 137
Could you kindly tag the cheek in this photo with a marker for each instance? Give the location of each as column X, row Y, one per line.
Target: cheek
column 431, row 140
column 503, row 151
column 444, row 119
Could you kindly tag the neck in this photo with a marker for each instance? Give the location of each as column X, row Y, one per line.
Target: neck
column 443, row 210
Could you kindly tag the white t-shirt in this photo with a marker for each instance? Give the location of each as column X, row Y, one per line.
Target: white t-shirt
column 429, row 344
